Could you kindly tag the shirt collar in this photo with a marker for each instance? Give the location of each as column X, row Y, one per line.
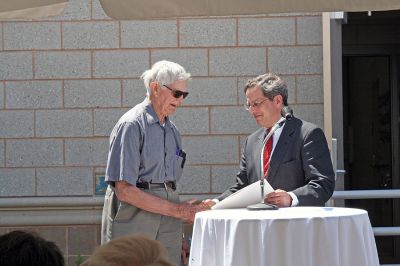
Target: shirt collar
column 151, row 115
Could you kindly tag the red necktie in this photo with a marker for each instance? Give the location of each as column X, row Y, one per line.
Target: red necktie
column 267, row 153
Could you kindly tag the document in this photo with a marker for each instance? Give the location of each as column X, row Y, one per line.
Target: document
column 246, row 196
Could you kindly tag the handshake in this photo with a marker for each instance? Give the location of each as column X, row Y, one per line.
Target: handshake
column 187, row 210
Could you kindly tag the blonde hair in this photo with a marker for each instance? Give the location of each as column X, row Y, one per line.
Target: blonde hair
column 133, row 250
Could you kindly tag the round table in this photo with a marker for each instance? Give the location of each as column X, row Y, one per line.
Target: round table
column 300, row 236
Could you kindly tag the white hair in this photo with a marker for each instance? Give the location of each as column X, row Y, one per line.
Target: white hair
column 164, row 72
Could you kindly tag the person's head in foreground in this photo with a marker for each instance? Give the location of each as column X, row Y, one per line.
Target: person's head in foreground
column 19, row 248
column 133, row 250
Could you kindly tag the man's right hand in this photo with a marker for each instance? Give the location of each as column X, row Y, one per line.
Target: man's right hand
column 209, row 202
column 188, row 210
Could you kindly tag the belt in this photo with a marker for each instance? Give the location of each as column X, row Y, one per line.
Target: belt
column 149, row 185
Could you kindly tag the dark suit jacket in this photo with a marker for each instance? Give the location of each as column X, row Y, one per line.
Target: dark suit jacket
column 300, row 163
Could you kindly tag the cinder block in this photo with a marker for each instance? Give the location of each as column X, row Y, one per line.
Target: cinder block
column 2, row 151
column 195, row 179
column 223, row 177
column 64, row 181
column 105, row 119
column 92, row 93
column 195, row 61
column 191, row 121
column 237, row 61
column 64, row 123
column 90, row 35
column 15, row 65
column 28, row 35
column 38, row 152
column 309, row 30
column 1, row 32
column 310, row 89
column 212, row 91
column 120, row 64
column 81, row 240
column 313, row 113
column 33, row 94
column 16, row 124
column 17, row 182
column 62, row 64
column 75, row 10
column 241, row 84
column 232, row 120
column 211, row 150
column 150, row 33
column 54, row 234
column 295, row 60
column 97, row 11
column 134, row 92
column 2, row 104
column 266, row 31
column 86, row 152
column 207, row 32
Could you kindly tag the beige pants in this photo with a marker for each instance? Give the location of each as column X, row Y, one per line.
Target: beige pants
column 121, row 219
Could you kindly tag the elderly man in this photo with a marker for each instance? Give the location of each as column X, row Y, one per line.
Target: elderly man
column 296, row 160
column 145, row 161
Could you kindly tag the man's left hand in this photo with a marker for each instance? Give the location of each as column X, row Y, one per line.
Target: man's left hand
column 279, row 198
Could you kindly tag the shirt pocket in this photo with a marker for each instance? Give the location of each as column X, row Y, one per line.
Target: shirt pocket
column 178, row 167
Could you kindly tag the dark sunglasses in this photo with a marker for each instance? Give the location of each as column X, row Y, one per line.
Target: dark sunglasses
column 177, row 93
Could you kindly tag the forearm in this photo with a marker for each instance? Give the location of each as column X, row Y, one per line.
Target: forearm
column 148, row 202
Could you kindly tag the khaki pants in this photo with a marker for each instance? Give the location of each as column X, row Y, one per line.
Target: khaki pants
column 121, row 219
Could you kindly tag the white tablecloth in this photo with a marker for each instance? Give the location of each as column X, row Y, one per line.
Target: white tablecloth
column 297, row 236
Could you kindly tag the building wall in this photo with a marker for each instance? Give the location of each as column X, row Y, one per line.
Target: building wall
column 64, row 82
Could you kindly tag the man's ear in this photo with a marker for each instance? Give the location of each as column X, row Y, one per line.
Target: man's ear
column 154, row 87
column 278, row 99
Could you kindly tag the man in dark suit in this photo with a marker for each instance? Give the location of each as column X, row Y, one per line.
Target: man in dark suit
column 300, row 168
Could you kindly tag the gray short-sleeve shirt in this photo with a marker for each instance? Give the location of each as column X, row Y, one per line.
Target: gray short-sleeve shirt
column 141, row 149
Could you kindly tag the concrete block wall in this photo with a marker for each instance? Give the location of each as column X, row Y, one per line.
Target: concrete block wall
column 65, row 81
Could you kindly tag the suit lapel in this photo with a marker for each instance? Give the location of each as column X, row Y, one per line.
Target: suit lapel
column 281, row 148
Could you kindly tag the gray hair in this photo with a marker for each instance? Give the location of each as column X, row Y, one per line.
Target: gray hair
column 164, row 72
column 271, row 85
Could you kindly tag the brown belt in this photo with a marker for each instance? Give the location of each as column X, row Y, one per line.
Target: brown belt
column 148, row 185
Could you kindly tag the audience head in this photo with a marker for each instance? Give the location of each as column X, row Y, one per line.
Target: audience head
column 133, row 250
column 19, row 248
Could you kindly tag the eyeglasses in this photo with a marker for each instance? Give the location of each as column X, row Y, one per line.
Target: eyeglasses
column 177, row 93
column 255, row 104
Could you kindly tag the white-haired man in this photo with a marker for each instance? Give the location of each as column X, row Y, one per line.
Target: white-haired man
column 145, row 161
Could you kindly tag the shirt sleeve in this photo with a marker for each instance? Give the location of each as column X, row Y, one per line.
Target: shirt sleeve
column 295, row 200
column 125, row 154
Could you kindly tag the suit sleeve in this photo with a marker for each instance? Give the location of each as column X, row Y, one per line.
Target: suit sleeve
column 318, row 171
column 241, row 177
